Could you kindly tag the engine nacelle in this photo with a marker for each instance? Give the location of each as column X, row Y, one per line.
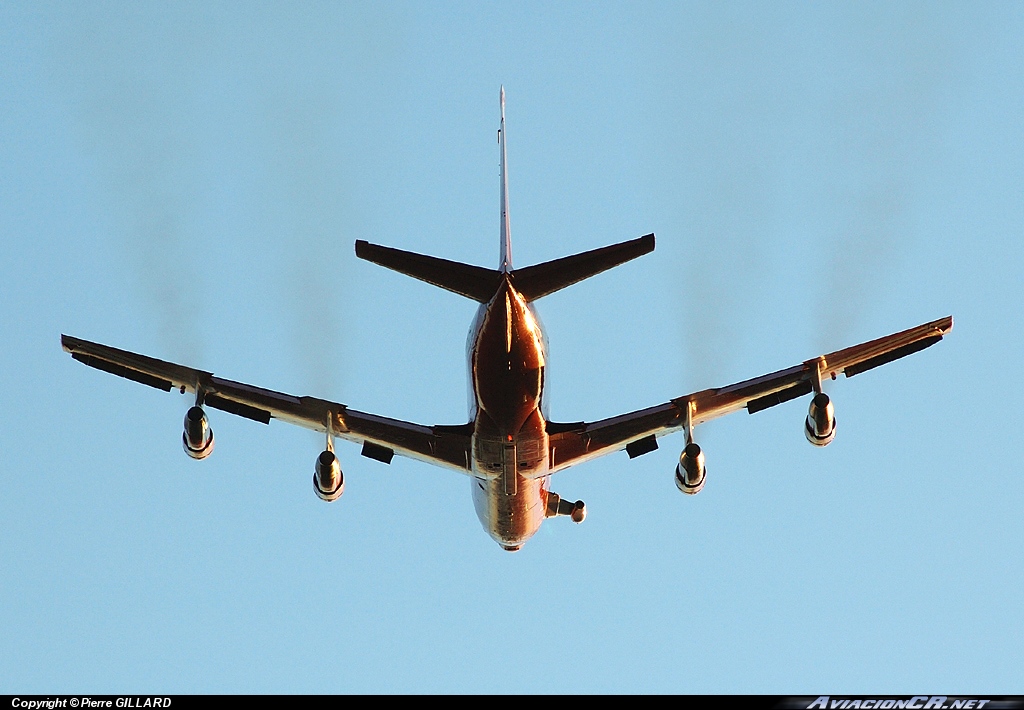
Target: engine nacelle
column 198, row 437
column 328, row 481
column 690, row 471
column 820, row 426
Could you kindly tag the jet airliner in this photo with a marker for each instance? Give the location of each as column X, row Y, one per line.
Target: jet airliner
column 509, row 448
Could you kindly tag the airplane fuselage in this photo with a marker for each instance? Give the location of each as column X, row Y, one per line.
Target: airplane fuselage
column 507, row 358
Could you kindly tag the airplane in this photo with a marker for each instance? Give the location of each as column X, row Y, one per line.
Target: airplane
column 509, row 448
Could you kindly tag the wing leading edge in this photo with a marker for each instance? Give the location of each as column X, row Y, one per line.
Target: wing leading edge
column 447, row 446
column 574, row 443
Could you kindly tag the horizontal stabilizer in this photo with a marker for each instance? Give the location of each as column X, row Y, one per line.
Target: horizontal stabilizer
column 537, row 281
column 473, row 282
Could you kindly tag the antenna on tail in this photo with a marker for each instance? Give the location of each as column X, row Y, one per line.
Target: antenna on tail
column 506, row 233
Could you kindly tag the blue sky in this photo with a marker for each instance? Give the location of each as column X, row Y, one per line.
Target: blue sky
column 187, row 181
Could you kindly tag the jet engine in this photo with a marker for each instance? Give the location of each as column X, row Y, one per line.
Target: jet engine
column 328, row 481
column 820, row 427
column 579, row 512
column 198, row 437
column 690, row 470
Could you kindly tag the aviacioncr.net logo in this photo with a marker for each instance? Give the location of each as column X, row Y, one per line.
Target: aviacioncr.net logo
column 917, row 702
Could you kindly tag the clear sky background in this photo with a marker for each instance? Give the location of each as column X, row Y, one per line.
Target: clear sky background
column 187, row 181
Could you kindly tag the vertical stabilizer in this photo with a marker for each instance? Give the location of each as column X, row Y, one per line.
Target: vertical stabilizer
column 506, row 235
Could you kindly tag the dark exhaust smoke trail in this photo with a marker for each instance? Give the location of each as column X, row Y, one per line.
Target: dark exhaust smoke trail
column 147, row 84
column 722, row 260
column 829, row 113
column 318, row 136
column 309, row 178
column 881, row 128
column 127, row 83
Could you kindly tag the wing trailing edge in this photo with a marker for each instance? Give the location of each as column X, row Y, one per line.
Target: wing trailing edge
column 444, row 445
column 576, row 442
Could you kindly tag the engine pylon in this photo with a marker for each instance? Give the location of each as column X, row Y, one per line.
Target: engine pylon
column 328, row 480
column 690, row 471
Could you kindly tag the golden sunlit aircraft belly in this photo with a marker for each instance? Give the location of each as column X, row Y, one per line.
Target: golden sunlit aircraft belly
column 510, row 442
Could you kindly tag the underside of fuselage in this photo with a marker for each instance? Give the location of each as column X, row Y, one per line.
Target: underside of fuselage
column 507, row 358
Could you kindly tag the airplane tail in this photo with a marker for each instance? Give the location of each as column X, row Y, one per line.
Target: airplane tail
column 480, row 284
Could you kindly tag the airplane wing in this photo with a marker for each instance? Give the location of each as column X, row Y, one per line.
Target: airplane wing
column 381, row 437
column 577, row 442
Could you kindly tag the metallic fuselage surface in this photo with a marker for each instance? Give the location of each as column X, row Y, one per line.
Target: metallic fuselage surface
column 507, row 357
